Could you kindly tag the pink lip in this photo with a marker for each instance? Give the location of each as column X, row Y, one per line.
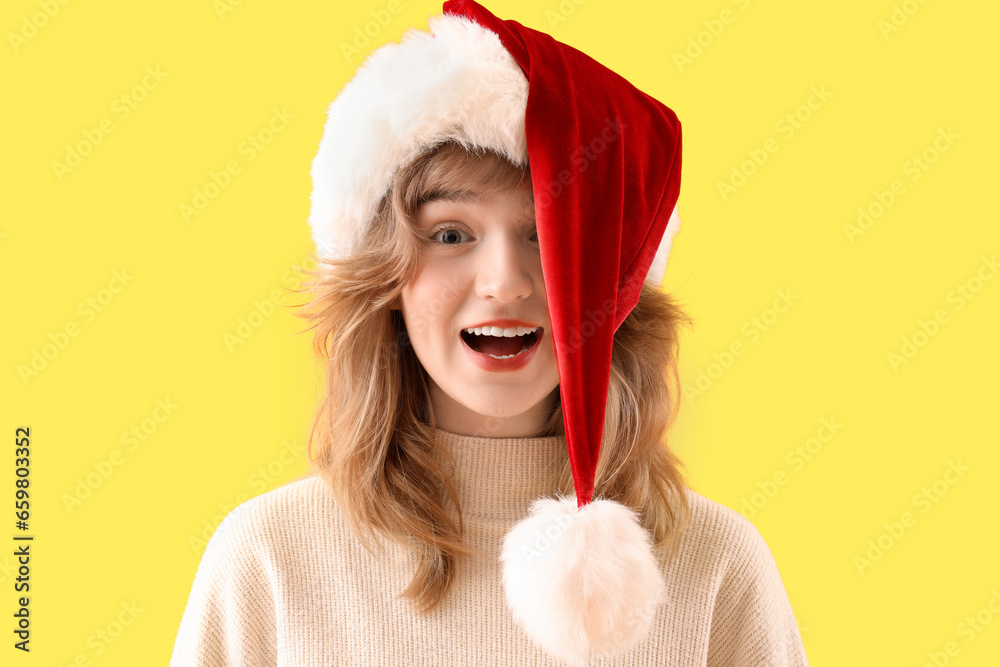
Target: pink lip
column 488, row 363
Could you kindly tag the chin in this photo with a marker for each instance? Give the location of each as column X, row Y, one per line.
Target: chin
column 500, row 410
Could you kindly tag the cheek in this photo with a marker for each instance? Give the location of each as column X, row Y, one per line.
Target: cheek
column 435, row 291
column 550, row 352
column 425, row 308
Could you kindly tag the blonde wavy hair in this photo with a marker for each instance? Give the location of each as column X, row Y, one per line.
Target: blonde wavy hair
column 378, row 455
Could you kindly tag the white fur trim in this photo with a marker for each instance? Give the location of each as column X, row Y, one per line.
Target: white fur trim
column 581, row 581
column 658, row 268
column 461, row 83
column 456, row 82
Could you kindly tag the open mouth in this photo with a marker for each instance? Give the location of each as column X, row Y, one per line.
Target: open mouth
column 501, row 347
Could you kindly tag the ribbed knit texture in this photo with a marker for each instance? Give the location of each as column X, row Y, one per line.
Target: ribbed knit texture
column 283, row 581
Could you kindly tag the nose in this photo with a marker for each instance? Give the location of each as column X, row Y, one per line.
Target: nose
column 507, row 269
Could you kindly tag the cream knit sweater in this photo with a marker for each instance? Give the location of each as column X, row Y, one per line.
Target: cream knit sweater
column 283, row 581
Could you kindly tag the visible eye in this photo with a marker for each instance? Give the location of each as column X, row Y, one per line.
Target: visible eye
column 451, row 233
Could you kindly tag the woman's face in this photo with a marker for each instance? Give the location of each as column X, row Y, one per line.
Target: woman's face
column 480, row 262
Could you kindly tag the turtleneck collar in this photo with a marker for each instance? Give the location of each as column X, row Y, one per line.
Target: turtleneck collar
column 499, row 478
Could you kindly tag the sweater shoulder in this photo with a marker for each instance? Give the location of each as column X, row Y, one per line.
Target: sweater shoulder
column 260, row 529
column 306, row 491
column 721, row 530
column 232, row 613
column 284, row 514
column 726, row 548
column 752, row 621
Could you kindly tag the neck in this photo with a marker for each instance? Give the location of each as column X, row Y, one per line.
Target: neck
column 499, row 478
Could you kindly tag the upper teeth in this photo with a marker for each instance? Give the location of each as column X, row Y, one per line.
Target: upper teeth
column 497, row 331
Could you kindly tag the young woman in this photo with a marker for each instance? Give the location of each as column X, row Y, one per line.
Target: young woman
column 452, row 341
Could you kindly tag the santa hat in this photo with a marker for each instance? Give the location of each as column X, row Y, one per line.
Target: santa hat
column 605, row 161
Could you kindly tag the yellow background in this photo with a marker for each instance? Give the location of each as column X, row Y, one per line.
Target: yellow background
column 239, row 406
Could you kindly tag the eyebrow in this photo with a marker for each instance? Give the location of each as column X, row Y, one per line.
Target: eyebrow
column 467, row 197
column 462, row 196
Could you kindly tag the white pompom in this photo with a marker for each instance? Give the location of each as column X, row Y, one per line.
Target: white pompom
column 581, row 580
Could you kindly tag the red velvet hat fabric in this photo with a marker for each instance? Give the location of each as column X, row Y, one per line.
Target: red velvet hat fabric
column 605, row 163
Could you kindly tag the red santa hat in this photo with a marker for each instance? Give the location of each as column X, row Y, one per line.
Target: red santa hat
column 605, row 161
